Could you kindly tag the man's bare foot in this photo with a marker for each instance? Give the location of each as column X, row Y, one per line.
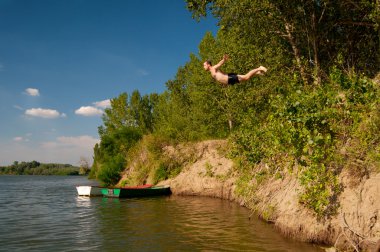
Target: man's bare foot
column 263, row 69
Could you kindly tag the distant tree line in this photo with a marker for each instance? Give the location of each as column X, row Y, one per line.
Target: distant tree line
column 37, row 168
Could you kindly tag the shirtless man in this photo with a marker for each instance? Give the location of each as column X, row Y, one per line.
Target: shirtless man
column 231, row 78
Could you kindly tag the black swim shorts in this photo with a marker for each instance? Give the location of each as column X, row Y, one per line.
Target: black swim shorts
column 232, row 79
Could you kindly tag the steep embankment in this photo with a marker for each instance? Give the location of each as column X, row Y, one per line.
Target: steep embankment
column 210, row 173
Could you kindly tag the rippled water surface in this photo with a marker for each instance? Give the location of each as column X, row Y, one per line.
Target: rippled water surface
column 40, row 213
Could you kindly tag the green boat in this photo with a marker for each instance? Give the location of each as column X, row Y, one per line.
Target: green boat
column 138, row 191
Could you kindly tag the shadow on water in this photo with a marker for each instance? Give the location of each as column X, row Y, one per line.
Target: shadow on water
column 45, row 214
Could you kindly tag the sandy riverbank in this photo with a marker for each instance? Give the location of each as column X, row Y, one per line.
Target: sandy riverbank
column 356, row 226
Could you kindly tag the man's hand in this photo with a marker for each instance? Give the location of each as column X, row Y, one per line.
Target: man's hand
column 225, row 58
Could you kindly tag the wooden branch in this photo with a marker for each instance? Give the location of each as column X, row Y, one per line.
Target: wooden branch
column 323, row 12
column 343, row 227
column 297, row 55
column 350, row 241
column 337, row 239
column 348, row 227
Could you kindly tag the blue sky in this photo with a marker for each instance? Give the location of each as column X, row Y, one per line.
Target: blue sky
column 62, row 60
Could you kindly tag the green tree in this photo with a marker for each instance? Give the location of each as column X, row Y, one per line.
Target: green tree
column 134, row 111
column 141, row 109
column 117, row 116
column 314, row 33
column 121, row 130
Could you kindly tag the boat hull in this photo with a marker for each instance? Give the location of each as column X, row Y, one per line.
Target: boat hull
column 136, row 192
column 89, row 191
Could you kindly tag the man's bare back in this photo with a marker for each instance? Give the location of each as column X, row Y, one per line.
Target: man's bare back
column 231, row 78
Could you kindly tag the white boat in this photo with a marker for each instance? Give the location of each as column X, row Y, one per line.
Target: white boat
column 89, row 191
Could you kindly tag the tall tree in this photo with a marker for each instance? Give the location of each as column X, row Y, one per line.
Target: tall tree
column 117, row 116
column 141, row 109
column 315, row 33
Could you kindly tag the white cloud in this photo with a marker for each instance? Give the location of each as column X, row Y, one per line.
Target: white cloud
column 44, row 113
column 95, row 110
column 88, row 111
column 18, row 139
column 32, row 92
column 103, row 104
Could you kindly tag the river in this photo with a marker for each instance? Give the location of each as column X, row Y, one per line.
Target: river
column 44, row 213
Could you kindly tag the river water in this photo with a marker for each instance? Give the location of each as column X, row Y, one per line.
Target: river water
column 44, row 213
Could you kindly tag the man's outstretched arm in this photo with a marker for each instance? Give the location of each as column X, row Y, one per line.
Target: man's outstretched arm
column 225, row 58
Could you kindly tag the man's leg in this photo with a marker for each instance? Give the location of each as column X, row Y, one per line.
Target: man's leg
column 257, row 71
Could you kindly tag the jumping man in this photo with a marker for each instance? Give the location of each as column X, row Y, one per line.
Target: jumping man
column 231, row 78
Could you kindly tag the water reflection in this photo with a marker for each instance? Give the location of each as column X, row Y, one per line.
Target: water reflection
column 186, row 224
column 83, row 201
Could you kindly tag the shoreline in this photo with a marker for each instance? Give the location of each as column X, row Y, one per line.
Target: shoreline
column 357, row 221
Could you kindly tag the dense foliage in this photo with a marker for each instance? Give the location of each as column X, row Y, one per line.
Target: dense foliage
column 37, row 168
column 124, row 124
column 314, row 114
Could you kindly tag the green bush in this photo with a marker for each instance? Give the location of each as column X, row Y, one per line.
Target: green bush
column 111, row 153
column 161, row 173
column 110, row 170
column 321, row 190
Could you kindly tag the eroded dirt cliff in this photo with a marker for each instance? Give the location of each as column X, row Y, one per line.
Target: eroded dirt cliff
column 356, row 226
